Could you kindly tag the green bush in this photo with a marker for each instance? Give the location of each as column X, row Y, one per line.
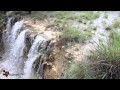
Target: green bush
column 65, row 15
column 89, row 15
column 106, row 58
column 111, row 53
column 38, row 15
column 79, row 70
column 86, row 15
column 73, row 34
column 75, row 71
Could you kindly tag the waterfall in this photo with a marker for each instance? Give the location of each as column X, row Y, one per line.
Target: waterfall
column 11, row 34
column 33, row 54
column 9, row 24
column 14, row 60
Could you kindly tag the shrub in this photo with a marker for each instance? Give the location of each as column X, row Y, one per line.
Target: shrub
column 75, row 71
column 38, row 15
column 106, row 58
column 80, row 70
column 89, row 15
column 73, row 34
column 116, row 23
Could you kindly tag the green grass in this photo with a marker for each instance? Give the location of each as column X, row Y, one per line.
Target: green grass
column 75, row 71
column 108, row 56
column 111, row 52
column 64, row 22
column 116, row 24
column 86, row 15
column 64, row 15
column 104, row 62
column 73, row 34
column 114, row 47
column 89, row 15
column 79, row 70
column 38, row 15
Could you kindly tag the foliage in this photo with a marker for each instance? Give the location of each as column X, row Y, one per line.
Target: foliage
column 73, row 34
column 116, row 23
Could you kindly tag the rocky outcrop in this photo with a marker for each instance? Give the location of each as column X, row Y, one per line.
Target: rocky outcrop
column 39, row 64
column 2, row 28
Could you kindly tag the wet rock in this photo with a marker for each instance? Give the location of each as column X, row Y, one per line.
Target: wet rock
column 108, row 28
column 36, row 64
column 27, row 44
column 39, row 64
column 0, row 37
column 2, row 25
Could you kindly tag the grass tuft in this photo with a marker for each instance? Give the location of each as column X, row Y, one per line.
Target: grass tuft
column 73, row 34
column 116, row 23
column 106, row 58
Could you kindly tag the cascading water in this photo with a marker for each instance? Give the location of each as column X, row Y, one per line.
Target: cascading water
column 33, row 54
column 11, row 34
column 9, row 23
column 13, row 60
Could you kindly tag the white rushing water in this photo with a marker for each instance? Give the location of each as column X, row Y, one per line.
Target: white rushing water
column 33, row 54
column 11, row 34
column 13, row 59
